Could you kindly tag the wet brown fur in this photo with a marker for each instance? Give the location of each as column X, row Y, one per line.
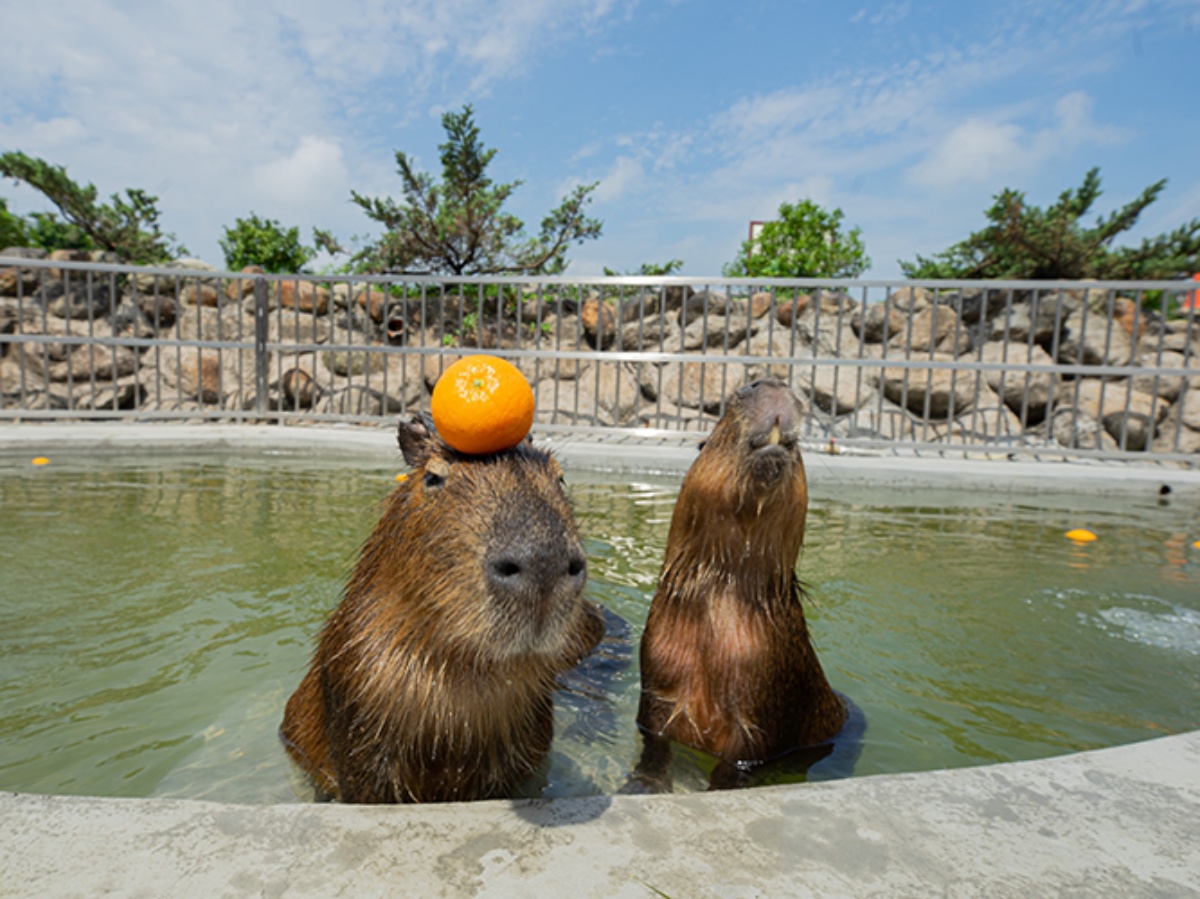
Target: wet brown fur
column 424, row 687
column 727, row 663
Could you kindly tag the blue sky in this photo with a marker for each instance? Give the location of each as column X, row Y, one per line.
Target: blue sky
column 695, row 116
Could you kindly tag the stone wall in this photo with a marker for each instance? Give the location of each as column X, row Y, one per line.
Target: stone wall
column 1075, row 369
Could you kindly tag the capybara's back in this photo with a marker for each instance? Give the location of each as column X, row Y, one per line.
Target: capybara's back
column 727, row 663
column 434, row 678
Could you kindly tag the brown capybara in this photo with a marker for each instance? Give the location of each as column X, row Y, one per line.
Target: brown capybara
column 433, row 679
column 727, row 664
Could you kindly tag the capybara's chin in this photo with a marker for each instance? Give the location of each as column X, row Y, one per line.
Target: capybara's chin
column 433, row 680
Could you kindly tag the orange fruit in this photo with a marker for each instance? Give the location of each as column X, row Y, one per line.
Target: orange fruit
column 1080, row 535
column 482, row 404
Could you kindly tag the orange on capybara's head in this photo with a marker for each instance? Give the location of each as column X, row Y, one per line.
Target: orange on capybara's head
column 433, row 679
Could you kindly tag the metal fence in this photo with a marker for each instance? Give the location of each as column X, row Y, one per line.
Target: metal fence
column 1054, row 369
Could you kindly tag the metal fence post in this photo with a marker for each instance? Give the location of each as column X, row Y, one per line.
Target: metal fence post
column 260, row 346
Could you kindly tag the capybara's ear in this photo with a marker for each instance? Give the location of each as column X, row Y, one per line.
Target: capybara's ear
column 416, row 438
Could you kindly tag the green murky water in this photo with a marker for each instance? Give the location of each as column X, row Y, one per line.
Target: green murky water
column 157, row 611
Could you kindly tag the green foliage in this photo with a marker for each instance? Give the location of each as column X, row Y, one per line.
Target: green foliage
column 457, row 226
column 127, row 226
column 48, row 231
column 265, row 242
column 651, row 269
column 1025, row 242
column 13, row 232
column 806, row 241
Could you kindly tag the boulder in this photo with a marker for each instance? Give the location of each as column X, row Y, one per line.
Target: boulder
column 930, row 392
column 304, row 296
column 696, row 385
column 1027, row 393
column 1090, row 338
column 878, row 323
column 835, row 390
column 935, row 328
column 599, row 323
column 1128, row 415
column 655, row 333
column 237, row 288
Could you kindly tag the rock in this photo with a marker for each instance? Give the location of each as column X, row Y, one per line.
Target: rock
column 127, row 393
column 774, row 345
column 200, row 295
column 929, row 392
column 1128, row 415
column 160, row 311
column 196, row 373
column 374, row 302
column 599, row 323
column 103, row 363
column 836, row 390
column 1176, row 438
column 696, row 385
column 1168, row 387
column 935, row 328
column 910, row 299
column 788, row 310
column 352, row 363
column 1090, row 338
column 189, row 271
column 655, row 333
column 300, row 390
column 303, row 329
column 358, row 401
column 1077, row 430
column 1031, row 320
column 237, row 288
column 20, row 281
column 989, row 421
column 76, row 298
column 304, row 296
column 604, row 394
column 877, row 323
column 761, row 303
column 1188, row 410
column 669, row 416
column 1027, row 393
column 880, row 421
column 717, row 331
column 230, row 325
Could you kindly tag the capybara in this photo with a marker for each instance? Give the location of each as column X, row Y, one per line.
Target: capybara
column 727, row 663
column 433, row 680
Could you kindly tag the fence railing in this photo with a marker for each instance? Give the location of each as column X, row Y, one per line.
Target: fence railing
column 1108, row 369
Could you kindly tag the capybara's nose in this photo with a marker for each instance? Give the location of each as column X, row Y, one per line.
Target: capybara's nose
column 534, row 572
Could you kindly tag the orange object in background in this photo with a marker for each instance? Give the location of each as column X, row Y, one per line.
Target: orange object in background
column 1192, row 300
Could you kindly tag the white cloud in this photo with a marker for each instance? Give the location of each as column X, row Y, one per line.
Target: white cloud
column 979, row 150
column 624, row 176
column 314, row 174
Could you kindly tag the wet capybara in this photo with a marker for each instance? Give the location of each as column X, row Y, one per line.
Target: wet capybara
column 433, row 679
column 727, row 663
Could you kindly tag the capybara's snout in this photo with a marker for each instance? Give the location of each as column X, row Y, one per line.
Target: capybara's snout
column 771, row 414
column 535, row 572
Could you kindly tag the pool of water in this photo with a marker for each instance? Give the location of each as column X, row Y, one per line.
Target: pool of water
column 159, row 609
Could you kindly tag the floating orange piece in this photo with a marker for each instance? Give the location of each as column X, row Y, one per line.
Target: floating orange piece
column 1080, row 535
column 402, row 477
column 41, row 460
column 482, row 404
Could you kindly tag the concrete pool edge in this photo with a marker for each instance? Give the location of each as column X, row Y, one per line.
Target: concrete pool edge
column 1110, row 822
column 1113, row 821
